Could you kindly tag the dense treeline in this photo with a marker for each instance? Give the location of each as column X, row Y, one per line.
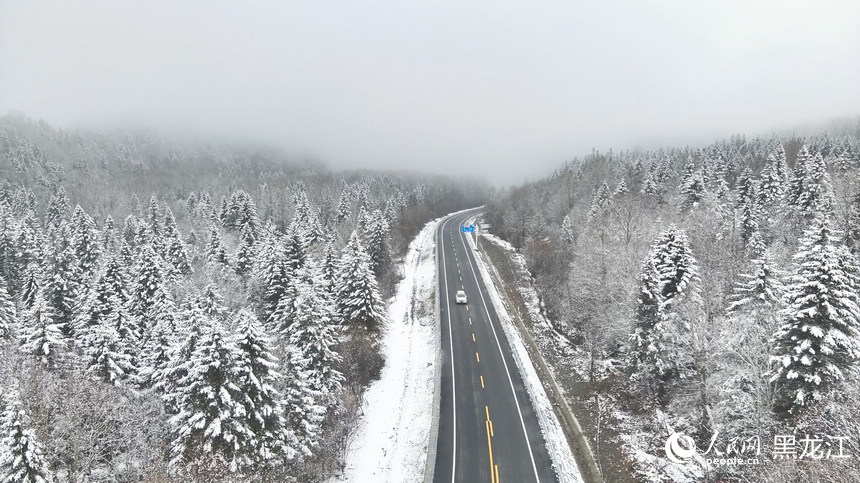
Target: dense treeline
column 182, row 311
column 712, row 291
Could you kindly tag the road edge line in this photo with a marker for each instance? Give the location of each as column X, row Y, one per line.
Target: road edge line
column 433, row 439
column 579, row 444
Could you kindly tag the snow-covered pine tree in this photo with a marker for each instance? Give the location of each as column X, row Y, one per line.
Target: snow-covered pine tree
column 390, row 213
column 295, row 247
column 127, row 259
column 756, row 245
column 304, row 416
column 216, row 254
column 651, row 189
column 376, row 240
column 150, row 302
column 677, row 268
column 343, row 211
column 212, row 422
column 8, row 313
column 718, row 179
column 164, row 371
column 796, row 185
column 305, row 218
column 620, row 190
column 260, row 381
column 746, row 189
column 61, row 289
column 363, row 219
column 852, row 231
column 28, row 251
column 285, row 313
column 567, row 232
column 129, row 230
column 109, row 358
column 174, row 249
column 191, row 203
column 153, row 216
column 749, row 216
column 313, row 336
column 246, row 254
column 600, row 200
column 109, row 235
column 274, row 274
column 329, row 266
column 689, row 170
column 212, row 303
column 669, row 276
column 692, row 192
column 58, row 209
column 249, row 219
column 118, row 343
column 154, row 359
column 108, row 295
column 85, row 245
column 762, row 288
column 663, row 169
column 204, row 206
column 818, row 343
column 772, row 186
column 231, row 208
column 22, row 458
column 357, row 294
column 817, row 194
column 239, row 212
column 135, row 205
column 6, row 196
column 41, row 337
column 781, row 165
column 651, row 362
column 25, row 204
column 32, row 285
column 8, row 236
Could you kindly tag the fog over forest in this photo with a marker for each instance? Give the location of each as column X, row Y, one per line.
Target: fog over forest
column 443, row 86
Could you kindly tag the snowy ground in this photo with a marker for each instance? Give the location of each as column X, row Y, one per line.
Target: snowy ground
column 634, row 432
column 391, row 442
column 557, row 447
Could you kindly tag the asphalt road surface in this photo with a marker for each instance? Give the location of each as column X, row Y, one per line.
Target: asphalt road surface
column 488, row 431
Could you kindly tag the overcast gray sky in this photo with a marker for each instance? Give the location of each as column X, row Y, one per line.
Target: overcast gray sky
column 498, row 88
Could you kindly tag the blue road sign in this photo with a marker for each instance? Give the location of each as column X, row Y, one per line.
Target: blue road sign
column 468, row 229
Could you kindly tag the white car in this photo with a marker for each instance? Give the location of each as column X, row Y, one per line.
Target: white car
column 461, row 297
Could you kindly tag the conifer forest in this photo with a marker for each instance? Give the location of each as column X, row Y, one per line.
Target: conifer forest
column 711, row 291
column 189, row 311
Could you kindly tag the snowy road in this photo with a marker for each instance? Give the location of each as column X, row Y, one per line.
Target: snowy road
column 488, row 431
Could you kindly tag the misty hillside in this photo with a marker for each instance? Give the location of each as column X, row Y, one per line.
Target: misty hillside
column 709, row 290
column 203, row 310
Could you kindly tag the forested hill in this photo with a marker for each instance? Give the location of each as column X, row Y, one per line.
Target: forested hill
column 716, row 286
column 182, row 311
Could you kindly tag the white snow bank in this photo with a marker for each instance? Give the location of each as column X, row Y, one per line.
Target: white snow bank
column 556, row 442
column 530, row 296
column 390, row 444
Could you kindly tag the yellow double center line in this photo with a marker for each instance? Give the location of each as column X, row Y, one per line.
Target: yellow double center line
column 494, row 468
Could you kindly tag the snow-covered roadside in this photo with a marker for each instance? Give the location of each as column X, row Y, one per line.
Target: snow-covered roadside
column 390, row 444
column 556, row 442
column 529, row 294
column 393, row 438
